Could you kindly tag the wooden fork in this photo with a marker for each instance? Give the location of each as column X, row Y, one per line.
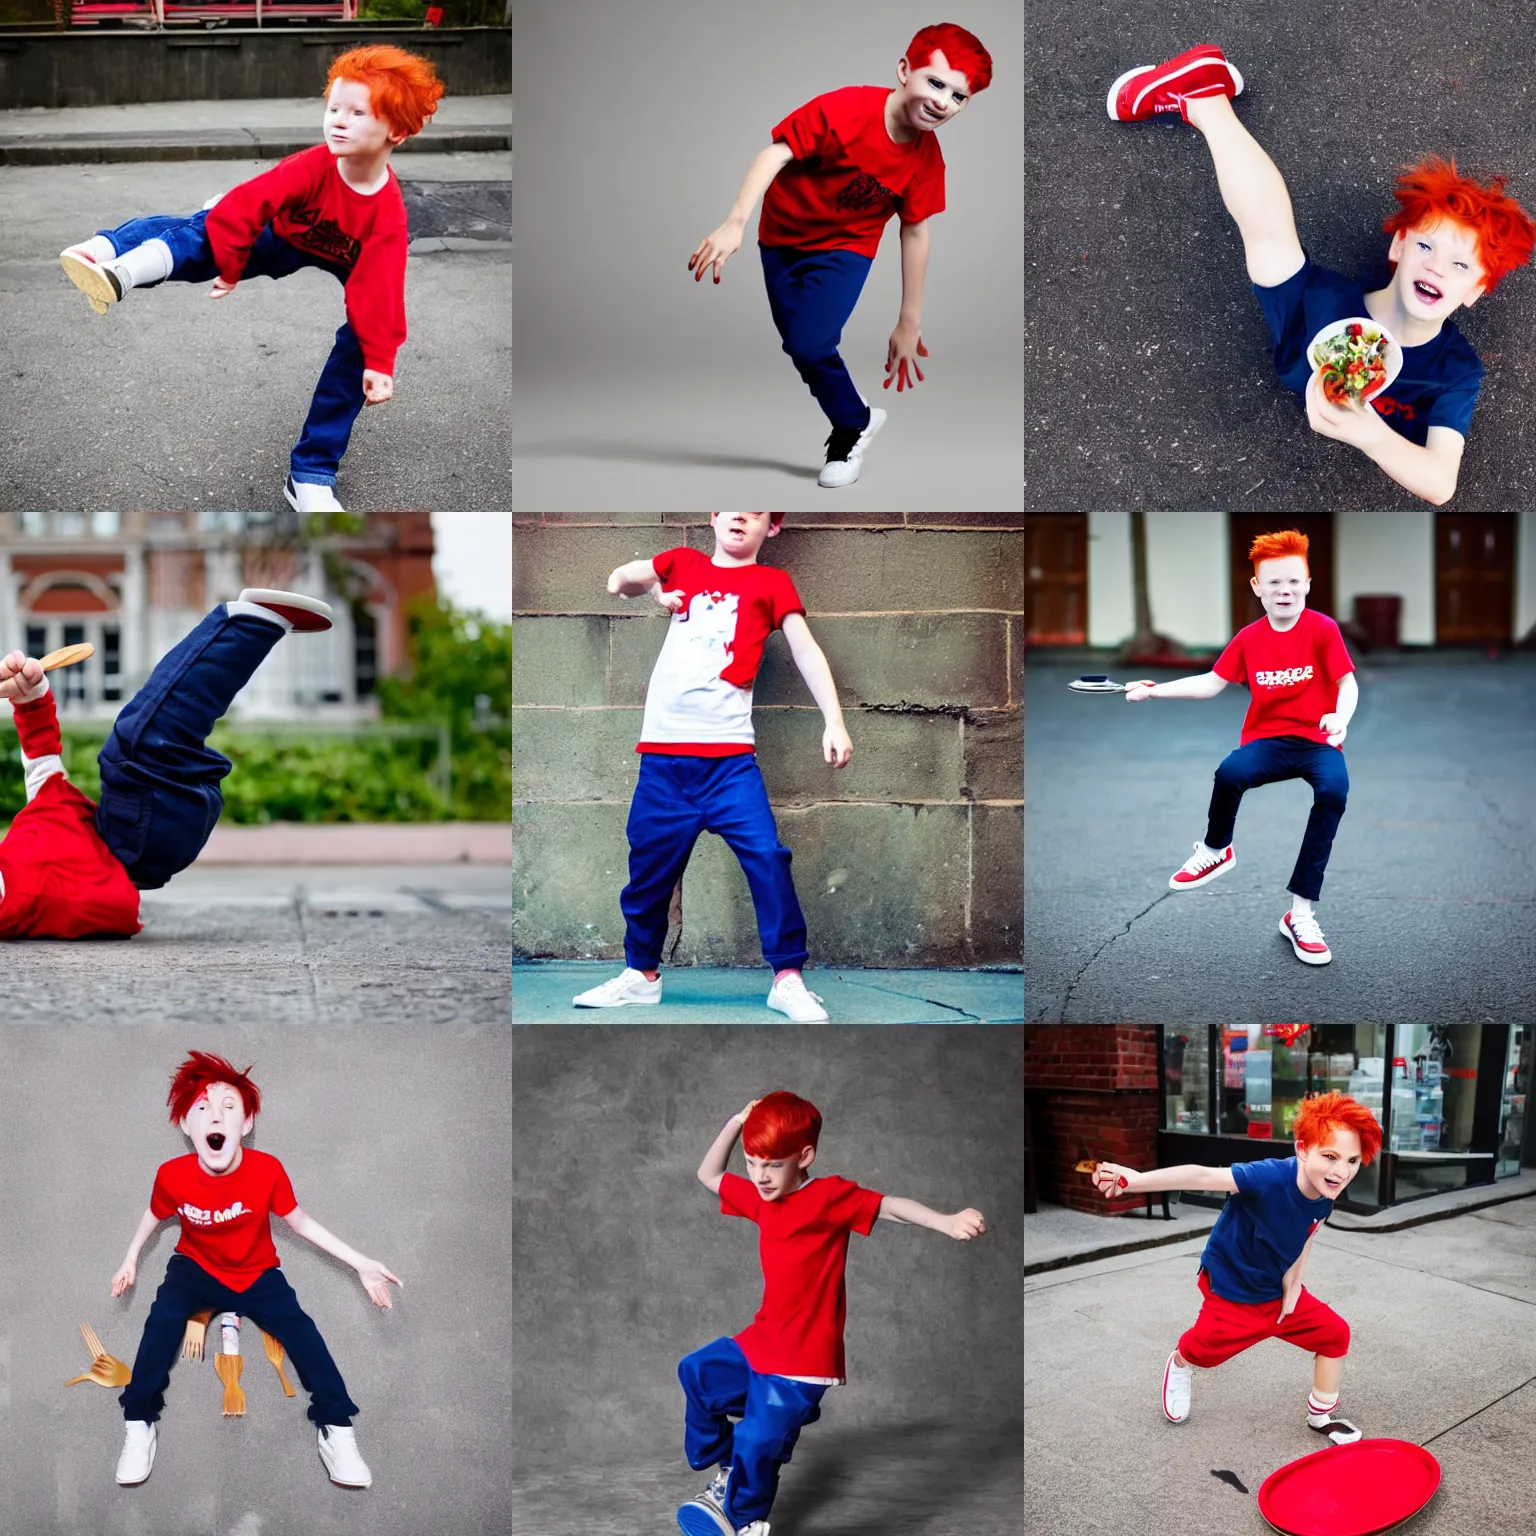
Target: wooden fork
column 105, row 1371
column 192, row 1340
column 275, row 1355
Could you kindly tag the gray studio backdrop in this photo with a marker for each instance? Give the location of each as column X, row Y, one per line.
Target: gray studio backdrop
column 399, row 1143
column 624, row 1263
column 635, row 125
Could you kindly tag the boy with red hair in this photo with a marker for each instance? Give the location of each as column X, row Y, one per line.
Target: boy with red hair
column 224, row 1196
column 1304, row 695
column 773, row 1375
column 1257, row 1253
column 1453, row 240
column 337, row 207
column 836, row 171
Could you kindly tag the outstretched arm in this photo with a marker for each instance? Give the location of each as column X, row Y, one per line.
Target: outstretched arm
column 1204, row 686
column 712, row 1169
column 716, row 249
column 962, row 1226
column 130, row 1267
column 836, row 747
column 633, row 580
column 37, row 720
column 369, row 1271
column 1107, row 1179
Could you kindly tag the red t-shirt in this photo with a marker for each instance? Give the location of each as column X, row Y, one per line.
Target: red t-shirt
column 307, row 203
column 226, row 1221
column 1292, row 675
column 699, row 702
column 60, row 880
column 848, row 175
column 803, row 1247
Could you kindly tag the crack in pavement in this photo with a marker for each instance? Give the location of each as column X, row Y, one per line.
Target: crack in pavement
column 1484, row 1409
column 1066, row 1001
column 932, row 1002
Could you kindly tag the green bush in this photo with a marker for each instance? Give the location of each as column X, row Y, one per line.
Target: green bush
column 393, row 10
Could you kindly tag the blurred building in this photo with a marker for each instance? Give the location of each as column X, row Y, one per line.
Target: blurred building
column 1460, row 578
column 133, row 583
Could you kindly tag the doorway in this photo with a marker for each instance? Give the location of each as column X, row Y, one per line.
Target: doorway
column 1244, row 527
column 1056, row 578
column 1475, row 577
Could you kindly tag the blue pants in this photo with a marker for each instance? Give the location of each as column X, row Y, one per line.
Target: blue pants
column 338, row 396
column 269, row 1302
column 1268, row 761
column 676, row 799
column 718, row 1382
column 159, row 778
column 812, row 294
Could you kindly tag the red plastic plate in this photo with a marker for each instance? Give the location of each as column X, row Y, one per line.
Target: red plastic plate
column 1350, row 1490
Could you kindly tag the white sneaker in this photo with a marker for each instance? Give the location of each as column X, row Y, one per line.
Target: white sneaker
column 95, row 279
column 133, row 1466
column 1306, row 936
column 338, row 1450
column 791, row 996
column 629, row 986
column 705, row 1515
column 308, row 614
column 845, row 451
column 309, row 498
column 1176, row 1379
column 757, row 1528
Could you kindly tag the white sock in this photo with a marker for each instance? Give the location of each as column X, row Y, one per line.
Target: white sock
column 1300, row 906
column 144, row 264
column 1215, row 853
column 1321, row 1404
column 256, row 611
column 99, row 247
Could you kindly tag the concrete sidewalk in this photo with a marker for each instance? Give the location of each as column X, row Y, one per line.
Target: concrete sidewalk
column 542, row 993
column 302, row 843
column 1443, row 1354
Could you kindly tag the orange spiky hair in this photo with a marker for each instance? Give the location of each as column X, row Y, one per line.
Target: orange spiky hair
column 402, row 87
column 1276, row 546
column 1324, row 1113
column 1434, row 190
column 781, row 1125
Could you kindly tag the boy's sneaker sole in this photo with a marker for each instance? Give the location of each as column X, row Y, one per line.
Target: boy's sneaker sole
column 1305, row 956
column 98, row 283
column 696, row 1518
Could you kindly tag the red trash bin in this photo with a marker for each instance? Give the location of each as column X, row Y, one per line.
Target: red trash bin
column 1379, row 615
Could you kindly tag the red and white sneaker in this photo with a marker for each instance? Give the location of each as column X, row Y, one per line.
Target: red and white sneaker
column 1176, row 1380
column 1306, row 939
column 307, row 614
column 1203, row 866
column 1150, row 90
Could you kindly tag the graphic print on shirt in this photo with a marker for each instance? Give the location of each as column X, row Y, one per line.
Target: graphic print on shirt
column 711, row 637
column 203, row 1218
column 325, row 237
column 864, row 191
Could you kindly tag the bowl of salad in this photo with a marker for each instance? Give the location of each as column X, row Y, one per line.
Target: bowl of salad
column 1356, row 358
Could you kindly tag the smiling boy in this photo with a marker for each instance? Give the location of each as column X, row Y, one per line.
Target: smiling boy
column 1453, row 240
column 224, row 1196
column 773, row 1375
column 1304, row 695
column 698, row 762
column 336, row 206
column 1257, row 1253
column 836, row 171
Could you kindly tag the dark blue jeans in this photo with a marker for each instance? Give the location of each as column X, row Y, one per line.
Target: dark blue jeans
column 717, row 1381
column 811, row 295
column 338, row 396
column 1268, row 761
column 676, row 799
column 269, row 1302
column 159, row 778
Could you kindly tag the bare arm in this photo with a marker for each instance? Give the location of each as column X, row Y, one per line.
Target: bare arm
column 1292, row 1278
column 373, row 1274
column 633, row 580
column 1429, row 472
column 716, row 249
column 1205, row 685
column 712, row 1169
column 962, row 1226
column 1186, row 1176
column 837, row 748
column 1337, row 723
column 914, row 272
column 129, row 1271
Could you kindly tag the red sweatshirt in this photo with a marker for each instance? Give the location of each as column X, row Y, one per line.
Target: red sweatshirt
column 60, row 880
column 307, row 203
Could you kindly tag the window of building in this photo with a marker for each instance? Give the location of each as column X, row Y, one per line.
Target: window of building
column 1434, row 1086
column 365, row 652
column 69, row 525
column 1512, row 1103
column 221, row 522
column 37, row 640
column 34, row 525
column 1186, row 1078
column 105, row 525
column 73, row 691
column 111, row 664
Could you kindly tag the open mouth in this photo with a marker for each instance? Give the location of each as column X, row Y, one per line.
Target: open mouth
column 216, row 1141
column 1333, row 1183
column 1427, row 291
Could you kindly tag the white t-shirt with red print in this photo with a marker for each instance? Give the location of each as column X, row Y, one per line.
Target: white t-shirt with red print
column 699, row 702
column 1293, row 675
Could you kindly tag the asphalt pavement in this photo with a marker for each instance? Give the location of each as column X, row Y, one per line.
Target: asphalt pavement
column 1147, row 360
column 1429, row 895
column 1442, row 1354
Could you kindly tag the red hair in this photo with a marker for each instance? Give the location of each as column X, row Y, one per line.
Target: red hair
column 1276, row 546
column 199, row 1072
column 780, row 1125
column 961, row 49
column 1434, row 190
column 403, row 87
column 1324, row 1113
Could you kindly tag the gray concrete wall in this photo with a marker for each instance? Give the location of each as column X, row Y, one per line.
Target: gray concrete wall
column 911, row 856
column 624, row 1263
column 112, row 68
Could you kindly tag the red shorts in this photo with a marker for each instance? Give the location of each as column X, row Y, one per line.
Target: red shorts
column 1226, row 1328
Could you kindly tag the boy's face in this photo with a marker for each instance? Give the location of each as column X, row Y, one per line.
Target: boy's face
column 776, row 1177
column 1282, row 585
column 740, row 534
column 350, row 126
column 1437, row 269
column 1327, row 1169
column 216, row 1122
column 932, row 93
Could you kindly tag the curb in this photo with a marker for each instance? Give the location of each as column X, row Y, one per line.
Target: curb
column 198, row 144
column 314, row 843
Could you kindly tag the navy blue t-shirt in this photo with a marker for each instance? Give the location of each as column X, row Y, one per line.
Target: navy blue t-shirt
column 1261, row 1231
column 1440, row 379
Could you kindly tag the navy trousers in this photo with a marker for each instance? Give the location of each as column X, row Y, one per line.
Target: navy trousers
column 811, row 295
column 159, row 778
column 1268, row 761
column 269, row 1302
column 676, row 799
column 719, row 1385
column 338, row 396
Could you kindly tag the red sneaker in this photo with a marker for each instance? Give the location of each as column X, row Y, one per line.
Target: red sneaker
column 1306, row 939
column 1203, row 866
column 1150, row 90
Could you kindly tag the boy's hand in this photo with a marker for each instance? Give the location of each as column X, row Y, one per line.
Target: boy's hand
column 1139, row 691
column 1356, row 425
column 1112, row 1180
column 220, row 289
column 377, row 387
column 1288, row 1300
column 124, row 1277
column 836, row 748
column 671, row 601
column 966, row 1224
column 1336, row 728
column 716, row 249
column 905, row 349
column 29, row 672
column 374, row 1275
column 742, row 1116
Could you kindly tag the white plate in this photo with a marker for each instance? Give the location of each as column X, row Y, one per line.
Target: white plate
column 1394, row 352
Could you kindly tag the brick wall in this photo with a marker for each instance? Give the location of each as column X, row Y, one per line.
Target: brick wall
column 912, row 856
column 1093, row 1092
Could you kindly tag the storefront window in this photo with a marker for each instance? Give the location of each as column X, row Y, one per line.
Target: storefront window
column 1434, row 1087
column 1512, row 1104
column 1186, row 1074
